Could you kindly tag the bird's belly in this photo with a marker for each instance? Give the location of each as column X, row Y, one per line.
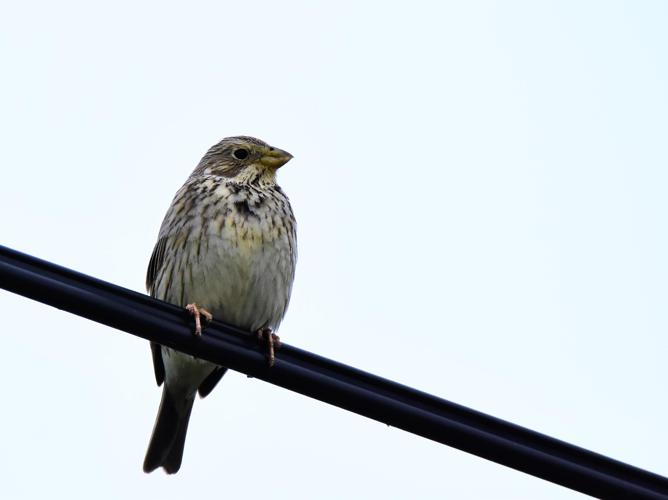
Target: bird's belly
column 184, row 373
column 243, row 282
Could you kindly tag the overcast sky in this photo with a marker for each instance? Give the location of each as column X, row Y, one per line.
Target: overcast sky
column 481, row 196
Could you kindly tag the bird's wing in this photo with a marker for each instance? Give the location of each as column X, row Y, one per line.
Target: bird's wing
column 182, row 202
column 158, row 366
column 210, row 382
column 154, row 265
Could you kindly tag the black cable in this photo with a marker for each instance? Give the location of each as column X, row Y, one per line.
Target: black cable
column 334, row 383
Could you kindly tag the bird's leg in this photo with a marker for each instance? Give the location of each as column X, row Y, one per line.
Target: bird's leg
column 197, row 312
column 273, row 343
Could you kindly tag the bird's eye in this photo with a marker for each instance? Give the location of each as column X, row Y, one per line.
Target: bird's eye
column 240, row 154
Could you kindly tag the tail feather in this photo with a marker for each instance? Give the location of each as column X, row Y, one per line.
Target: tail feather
column 169, row 434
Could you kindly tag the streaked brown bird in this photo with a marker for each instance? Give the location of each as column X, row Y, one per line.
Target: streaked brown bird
column 226, row 248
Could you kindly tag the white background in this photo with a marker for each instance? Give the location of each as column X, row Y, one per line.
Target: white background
column 481, row 196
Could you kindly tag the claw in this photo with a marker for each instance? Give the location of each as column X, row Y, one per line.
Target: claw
column 197, row 312
column 273, row 343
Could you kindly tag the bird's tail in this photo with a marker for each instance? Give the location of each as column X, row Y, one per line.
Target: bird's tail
column 169, row 433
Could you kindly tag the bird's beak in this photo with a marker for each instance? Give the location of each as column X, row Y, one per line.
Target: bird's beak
column 275, row 158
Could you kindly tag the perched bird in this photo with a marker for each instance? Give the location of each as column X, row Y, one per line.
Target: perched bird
column 226, row 248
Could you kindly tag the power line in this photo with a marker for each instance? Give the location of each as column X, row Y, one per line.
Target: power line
column 331, row 382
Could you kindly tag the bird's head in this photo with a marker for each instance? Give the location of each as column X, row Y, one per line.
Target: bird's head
column 243, row 158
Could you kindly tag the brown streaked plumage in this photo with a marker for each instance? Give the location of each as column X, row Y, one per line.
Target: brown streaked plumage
column 227, row 247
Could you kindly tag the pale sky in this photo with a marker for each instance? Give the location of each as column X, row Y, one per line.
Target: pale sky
column 480, row 189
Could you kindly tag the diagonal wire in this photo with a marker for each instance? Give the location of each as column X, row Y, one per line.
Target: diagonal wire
column 331, row 382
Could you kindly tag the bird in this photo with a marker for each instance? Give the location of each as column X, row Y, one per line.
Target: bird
column 227, row 248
